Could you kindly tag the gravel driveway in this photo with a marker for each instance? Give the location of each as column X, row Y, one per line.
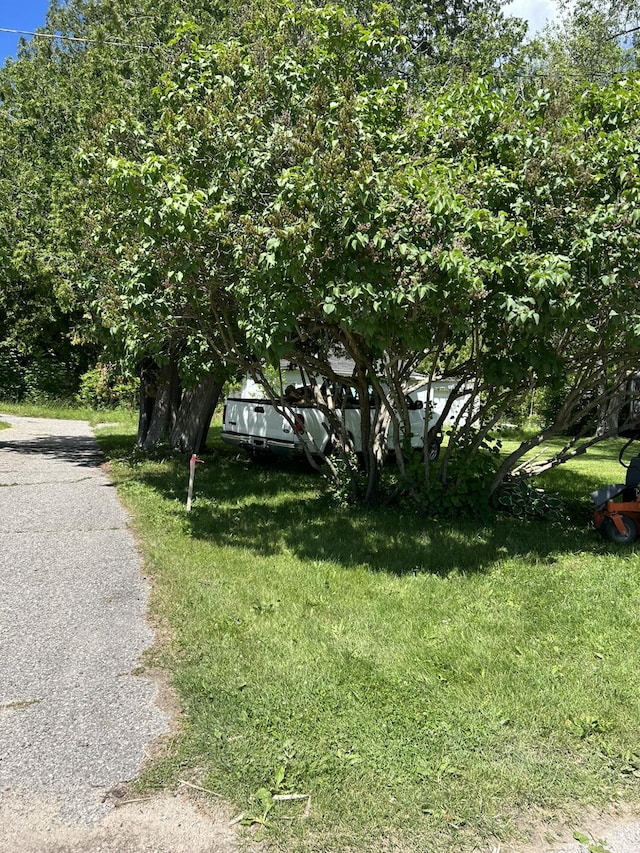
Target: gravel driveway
column 75, row 718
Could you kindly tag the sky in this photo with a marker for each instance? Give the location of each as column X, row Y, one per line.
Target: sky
column 536, row 12
column 19, row 15
column 30, row 14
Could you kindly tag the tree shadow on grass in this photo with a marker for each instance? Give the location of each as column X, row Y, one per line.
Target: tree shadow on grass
column 575, row 485
column 224, row 476
column 283, row 508
column 389, row 542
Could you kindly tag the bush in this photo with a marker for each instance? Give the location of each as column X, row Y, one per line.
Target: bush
column 347, row 483
column 104, row 387
column 37, row 378
column 11, row 377
column 522, row 500
column 47, row 379
column 466, row 490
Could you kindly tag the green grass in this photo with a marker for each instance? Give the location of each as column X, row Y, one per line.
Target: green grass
column 429, row 684
column 66, row 410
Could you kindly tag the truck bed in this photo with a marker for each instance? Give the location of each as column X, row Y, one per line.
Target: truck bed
column 261, row 427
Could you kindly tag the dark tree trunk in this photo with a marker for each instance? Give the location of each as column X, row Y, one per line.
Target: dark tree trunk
column 198, row 404
column 147, row 397
column 609, row 414
column 164, row 408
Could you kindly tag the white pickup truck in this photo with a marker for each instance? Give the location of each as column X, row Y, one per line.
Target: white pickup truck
column 295, row 425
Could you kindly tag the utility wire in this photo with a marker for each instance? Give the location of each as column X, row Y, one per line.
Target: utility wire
column 85, row 40
column 76, row 39
column 624, row 33
column 114, row 43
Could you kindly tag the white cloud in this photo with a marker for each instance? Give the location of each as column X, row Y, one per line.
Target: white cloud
column 536, row 12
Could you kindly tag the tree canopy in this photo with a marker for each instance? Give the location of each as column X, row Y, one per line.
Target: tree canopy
column 298, row 193
column 402, row 183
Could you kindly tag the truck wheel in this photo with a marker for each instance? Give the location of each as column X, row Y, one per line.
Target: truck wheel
column 434, row 449
column 611, row 532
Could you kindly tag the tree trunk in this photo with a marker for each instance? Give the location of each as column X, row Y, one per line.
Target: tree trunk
column 609, row 414
column 147, row 397
column 198, row 404
column 612, row 394
column 164, row 406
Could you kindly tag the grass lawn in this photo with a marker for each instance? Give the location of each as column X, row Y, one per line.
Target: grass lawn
column 67, row 411
column 431, row 685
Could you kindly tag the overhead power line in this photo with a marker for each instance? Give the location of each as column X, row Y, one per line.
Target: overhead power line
column 80, row 39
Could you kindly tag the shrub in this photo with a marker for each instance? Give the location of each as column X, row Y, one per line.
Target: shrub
column 468, row 482
column 522, row 500
column 11, row 376
column 48, row 379
column 36, row 378
column 104, row 387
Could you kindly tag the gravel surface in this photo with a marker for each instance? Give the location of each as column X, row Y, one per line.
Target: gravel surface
column 615, row 832
column 75, row 719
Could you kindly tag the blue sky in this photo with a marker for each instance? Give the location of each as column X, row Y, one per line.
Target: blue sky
column 19, row 15
column 30, row 14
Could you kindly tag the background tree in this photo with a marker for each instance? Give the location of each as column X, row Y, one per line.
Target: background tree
column 591, row 41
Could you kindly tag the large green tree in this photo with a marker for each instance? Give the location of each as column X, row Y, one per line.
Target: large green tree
column 320, row 179
column 590, row 41
column 297, row 195
column 60, row 95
